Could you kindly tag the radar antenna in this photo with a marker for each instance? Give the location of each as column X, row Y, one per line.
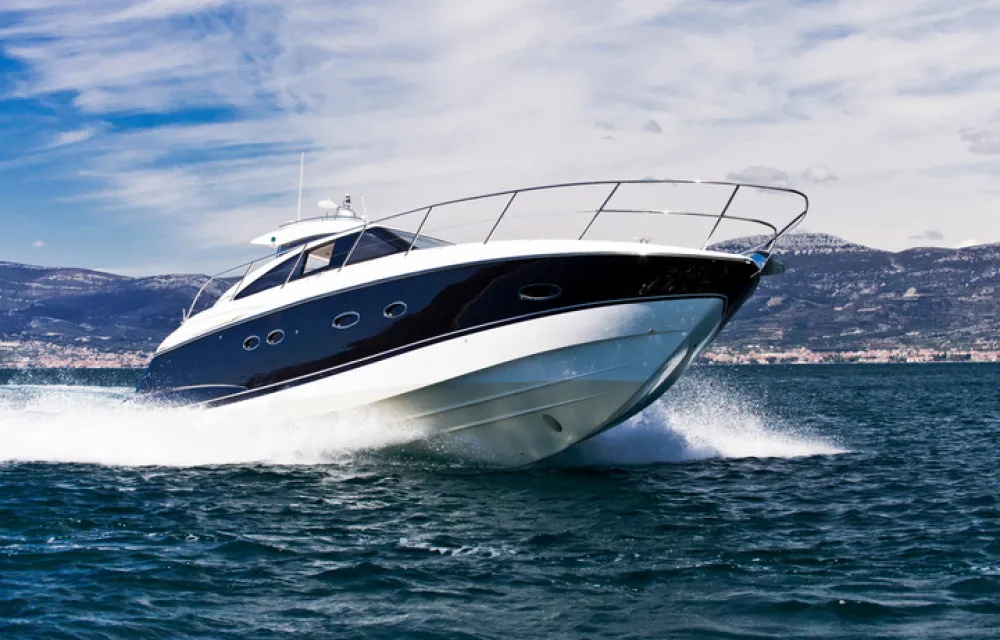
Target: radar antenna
column 342, row 210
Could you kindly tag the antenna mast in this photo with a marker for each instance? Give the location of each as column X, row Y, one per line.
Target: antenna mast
column 302, row 171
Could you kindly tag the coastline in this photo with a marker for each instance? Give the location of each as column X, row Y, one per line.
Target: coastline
column 718, row 356
column 722, row 355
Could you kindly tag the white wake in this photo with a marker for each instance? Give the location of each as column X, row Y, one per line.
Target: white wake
column 699, row 419
column 92, row 425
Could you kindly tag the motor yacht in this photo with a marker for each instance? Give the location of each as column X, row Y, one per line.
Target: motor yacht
column 499, row 350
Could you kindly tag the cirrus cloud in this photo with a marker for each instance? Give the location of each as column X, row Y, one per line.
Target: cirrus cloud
column 72, row 137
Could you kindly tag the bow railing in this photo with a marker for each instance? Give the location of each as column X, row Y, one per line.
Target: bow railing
column 508, row 197
column 610, row 193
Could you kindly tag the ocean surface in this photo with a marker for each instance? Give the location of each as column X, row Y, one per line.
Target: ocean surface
column 853, row 501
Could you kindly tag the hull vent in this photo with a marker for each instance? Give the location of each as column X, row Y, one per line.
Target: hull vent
column 554, row 424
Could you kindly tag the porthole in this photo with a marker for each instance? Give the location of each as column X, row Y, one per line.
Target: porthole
column 275, row 337
column 394, row 310
column 539, row 292
column 251, row 343
column 346, row 320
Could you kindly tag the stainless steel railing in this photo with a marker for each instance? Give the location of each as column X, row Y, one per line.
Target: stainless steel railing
column 510, row 195
column 615, row 185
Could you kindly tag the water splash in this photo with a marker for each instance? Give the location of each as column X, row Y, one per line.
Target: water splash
column 703, row 417
column 55, row 423
column 700, row 418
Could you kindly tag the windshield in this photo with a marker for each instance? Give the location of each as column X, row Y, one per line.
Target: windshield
column 278, row 275
column 423, row 242
column 374, row 242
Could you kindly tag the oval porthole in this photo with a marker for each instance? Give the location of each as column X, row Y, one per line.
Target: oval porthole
column 539, row 292
column 346, row 320
column 275, row 337
column 394, row 310
column 251, row 343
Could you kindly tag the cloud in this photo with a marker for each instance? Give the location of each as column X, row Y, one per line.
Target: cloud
column 652, row 126
column 983, row 141
column 38, row 244
column 71, row 137
column 757, row 174
column 818, row 173
column 775, row 177
column 404, row 101
column 930, row 234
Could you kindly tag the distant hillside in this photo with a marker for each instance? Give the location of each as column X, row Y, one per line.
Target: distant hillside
column 835, row 295
column 798, row 243
column 64, row 305
column 840, row 295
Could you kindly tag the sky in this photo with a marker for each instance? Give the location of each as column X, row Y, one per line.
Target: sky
column 161, row 135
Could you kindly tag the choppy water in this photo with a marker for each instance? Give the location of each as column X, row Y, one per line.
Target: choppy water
column 831, row 502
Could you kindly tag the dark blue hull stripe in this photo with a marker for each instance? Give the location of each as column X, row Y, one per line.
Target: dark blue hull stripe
column 424, row 309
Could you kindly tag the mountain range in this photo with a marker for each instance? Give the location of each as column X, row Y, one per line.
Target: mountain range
column 835, row 295
column 70, row 306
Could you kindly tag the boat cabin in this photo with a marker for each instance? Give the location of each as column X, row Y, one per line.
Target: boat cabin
column 325, row 253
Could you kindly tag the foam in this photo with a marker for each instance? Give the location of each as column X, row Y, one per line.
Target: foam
column 92, row 425
column 699, row 419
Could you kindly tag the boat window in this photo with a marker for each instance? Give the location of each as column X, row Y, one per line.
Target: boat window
column 273, row 278
column 327, row 256
column 423, row 242
column 317, row 259
column 375, row 242
column 380, row 241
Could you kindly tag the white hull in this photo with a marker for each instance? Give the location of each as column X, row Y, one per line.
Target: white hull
column 517, row 393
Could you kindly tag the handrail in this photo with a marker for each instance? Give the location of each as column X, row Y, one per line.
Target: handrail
column 722, row 215
column 242, row 278
column 737, row 187
column 187, row 314
column 295, row 266
column 599, row 210
column 353, row 246
column 616, row 184
column 591, row 183
column 419, row 229
column 697, row 214
column 499, row 218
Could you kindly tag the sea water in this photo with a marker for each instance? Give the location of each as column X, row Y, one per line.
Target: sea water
column 828, row 501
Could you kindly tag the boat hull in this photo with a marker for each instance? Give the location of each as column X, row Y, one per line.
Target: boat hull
column 519, row 393
column 502, row 361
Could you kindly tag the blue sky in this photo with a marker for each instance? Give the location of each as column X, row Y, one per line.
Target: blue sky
column 160, row 135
